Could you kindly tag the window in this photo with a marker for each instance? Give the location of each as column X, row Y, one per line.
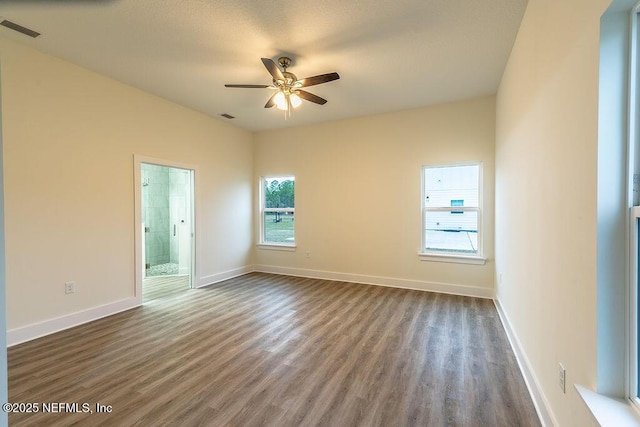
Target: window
column 455, row 203
column 277, row 213
column 447, row 232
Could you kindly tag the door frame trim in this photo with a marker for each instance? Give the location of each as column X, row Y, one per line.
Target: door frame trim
column 138, row 160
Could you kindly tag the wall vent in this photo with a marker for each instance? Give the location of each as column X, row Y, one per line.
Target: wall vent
column 19, row 28
column 227, row 116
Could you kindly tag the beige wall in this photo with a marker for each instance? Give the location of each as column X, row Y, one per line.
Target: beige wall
column 69, row 140
column 546, row 164
column 358, row 197
column 70, row 136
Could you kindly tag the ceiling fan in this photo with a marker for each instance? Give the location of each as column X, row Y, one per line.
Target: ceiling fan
column 288, row 93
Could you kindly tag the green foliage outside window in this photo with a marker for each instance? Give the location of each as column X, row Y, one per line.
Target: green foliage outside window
column 279, row 194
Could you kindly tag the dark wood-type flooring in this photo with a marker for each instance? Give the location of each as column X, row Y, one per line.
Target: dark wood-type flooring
column 281, row 351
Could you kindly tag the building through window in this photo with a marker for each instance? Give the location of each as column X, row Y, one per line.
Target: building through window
column 452, row 209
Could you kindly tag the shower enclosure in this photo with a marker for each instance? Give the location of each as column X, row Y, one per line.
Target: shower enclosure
column 166, row 216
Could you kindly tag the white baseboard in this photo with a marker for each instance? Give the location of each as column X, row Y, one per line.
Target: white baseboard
column 444, row 288
column 225, row 275
column 30, row 332
column 37, row 330
column 539, row 401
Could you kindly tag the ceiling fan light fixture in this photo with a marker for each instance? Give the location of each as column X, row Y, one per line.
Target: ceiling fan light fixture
column 281, row 101
column 295, row 100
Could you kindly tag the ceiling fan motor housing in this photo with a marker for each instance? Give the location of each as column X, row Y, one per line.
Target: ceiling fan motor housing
column 289, row 79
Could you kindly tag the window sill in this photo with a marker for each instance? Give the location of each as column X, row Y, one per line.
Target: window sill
column 460, row 259
column 609, row 411
column 276, row 247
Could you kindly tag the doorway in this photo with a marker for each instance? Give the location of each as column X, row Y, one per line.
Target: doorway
column 165, row 227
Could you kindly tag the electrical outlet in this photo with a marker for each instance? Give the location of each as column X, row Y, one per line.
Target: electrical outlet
column 69, row 287
column 562, row 377
column 308, row 254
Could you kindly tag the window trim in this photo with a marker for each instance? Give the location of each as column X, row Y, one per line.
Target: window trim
column 262, row 244
column 632, row 309
column 452, row 257
column 633, row 217
column 277, row 247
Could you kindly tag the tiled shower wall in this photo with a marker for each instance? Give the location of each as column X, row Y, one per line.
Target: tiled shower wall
column 179, row 190
column 165, row 202
column 155, row 214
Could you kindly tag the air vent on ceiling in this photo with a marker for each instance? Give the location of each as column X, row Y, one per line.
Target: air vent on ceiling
column 227, row 116
column 19, row 28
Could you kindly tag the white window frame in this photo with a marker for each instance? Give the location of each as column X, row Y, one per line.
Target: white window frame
column 633, row 215
column 632, row 316
column 274, row 245
column 441, row 256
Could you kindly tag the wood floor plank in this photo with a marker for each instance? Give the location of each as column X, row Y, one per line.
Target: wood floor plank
column 272, row 350
column 156, row 287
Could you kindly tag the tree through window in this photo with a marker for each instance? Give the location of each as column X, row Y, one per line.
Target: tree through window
column 278, row 210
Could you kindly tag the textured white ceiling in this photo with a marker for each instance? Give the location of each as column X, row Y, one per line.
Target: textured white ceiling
column 391, row 55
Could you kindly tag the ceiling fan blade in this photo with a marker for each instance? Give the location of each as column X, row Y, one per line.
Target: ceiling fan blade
column 272, row 101
column 250, row 86
column 316, row 80
column 273, row 69
column 311, row 97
